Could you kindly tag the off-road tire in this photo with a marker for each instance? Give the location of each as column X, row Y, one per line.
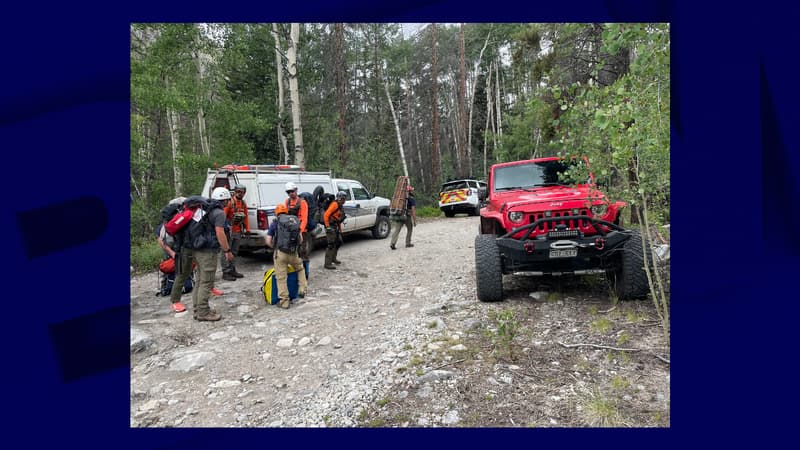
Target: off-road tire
column 381, row 228
column 630, row 279
column 449, row 213
column 488, row 268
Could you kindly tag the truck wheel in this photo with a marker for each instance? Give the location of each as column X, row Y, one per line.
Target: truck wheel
column 449, row 213
column 476, row 211
column 630, row 279
column 381, row 228
column 488, row 268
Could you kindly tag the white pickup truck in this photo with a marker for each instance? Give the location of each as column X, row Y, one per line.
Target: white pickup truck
column 265, row 189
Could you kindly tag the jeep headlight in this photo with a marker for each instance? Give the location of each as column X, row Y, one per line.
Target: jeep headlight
column 600, row 210
column 515, row 216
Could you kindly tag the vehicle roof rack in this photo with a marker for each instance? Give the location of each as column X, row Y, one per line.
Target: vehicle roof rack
column 265, row 168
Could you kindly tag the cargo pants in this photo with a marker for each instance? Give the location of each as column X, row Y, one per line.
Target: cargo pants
column 281, row 261
column 183, row 269
column 397, row 224
column 206, row 270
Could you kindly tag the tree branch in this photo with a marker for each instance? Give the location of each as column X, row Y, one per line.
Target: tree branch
column 614, row 348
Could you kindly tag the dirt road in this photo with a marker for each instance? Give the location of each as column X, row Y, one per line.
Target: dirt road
column 397, row 338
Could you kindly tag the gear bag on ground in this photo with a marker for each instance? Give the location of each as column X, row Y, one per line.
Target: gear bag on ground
column 269, row 286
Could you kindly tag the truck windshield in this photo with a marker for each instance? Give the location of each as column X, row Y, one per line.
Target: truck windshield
column 544, row 173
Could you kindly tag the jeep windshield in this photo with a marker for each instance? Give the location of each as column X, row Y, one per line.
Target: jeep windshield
column 532, row 175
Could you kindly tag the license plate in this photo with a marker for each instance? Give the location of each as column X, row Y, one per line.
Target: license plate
column 565, row 253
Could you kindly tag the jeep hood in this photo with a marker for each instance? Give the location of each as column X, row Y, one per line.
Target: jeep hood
column 545, row 195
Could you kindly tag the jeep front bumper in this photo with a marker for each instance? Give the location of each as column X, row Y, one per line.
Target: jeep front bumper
column 562, row 251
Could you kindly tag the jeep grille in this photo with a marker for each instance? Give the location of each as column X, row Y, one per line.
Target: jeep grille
column 571, row 223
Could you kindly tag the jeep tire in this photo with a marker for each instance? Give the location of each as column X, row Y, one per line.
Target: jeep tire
column 630, row 279
column 488, row 268
column 381, row 228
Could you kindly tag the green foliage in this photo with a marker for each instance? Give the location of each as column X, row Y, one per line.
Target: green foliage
column 146, row 255
column 602, row 325
column 508, row 328
column 600, row 90
column 429, row 211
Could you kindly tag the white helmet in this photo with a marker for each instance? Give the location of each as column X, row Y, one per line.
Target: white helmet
column 290, row 186
column 221, row 193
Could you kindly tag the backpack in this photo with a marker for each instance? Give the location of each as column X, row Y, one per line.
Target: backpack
column 166, row 288
column 324, row 202
column 288, row 233
column 199, row 232
column 269, row 286
column 182, row 215
column 312, row 209
column 169, row 211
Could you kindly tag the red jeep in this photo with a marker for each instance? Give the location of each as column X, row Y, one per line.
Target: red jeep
column 539, row 221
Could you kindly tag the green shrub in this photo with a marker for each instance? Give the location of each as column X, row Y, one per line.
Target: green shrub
column 429, row 211
column 146, row 254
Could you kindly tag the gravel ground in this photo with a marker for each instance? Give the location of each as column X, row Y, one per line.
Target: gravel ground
column 398, row 339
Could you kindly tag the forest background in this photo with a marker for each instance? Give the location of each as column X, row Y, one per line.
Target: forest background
column 375, row 101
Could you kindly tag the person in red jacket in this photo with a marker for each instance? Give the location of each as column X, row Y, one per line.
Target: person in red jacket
column 236, row 215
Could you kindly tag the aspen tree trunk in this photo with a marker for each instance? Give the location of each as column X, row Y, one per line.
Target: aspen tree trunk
column 339, row 75
column 498, row 100
column 396, row 128
column 462, row 113
column 172, row 119
column 205, row 145
column 281, row 105
column 489, row 109
column 471, row 107
column 172, row 122
column 299, row 158
column 435, row 168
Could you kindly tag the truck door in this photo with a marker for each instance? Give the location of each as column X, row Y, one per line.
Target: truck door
column 368, row 208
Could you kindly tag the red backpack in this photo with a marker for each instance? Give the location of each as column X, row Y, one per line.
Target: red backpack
column 179, row 221
column 184, row 216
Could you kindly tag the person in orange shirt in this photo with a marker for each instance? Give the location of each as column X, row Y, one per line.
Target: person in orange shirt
column 333, row 229
column 236, row 215
column 298, row 208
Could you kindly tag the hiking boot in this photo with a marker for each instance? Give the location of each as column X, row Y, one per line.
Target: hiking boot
column 178, row 307
column 210, row 316
column 229, row 277
column 284, row 303
column 237, row 274
column 336, row 261
column 391, row 246
column 409, row 245
column 216, row 292
column 301, row 294
column 329, row 266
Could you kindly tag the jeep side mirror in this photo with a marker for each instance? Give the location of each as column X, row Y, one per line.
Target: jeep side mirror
column 482, row 193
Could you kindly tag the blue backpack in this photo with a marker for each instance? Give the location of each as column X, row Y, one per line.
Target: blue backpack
column 166, row 290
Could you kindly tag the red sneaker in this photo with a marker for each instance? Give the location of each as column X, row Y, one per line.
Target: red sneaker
column 216, row 292
column 178, row 307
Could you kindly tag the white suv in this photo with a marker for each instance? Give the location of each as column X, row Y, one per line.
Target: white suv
column 460, row 196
